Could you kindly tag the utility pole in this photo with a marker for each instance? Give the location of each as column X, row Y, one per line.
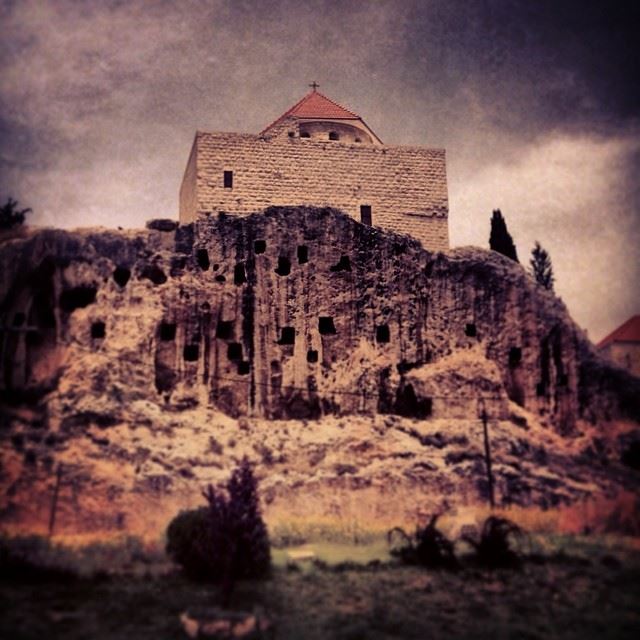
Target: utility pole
column 54, row 500
column 487, row 450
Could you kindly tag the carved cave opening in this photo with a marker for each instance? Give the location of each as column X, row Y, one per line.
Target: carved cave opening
column 77, row 297
column 234, row 351
column 515, row 356
column 344, row 264
column 239, row 274
column 284, row 266
column 303, row 254
column 244, row 368
column 224, row 329
column 312, row 356
column 259, row 246
column 287, row 336
column 383, row 335
column 470, row 330
column 98, row 330
column 167, row 331
column 202, row 258
column 121, row 276
column 326, row 326
column 154, row 273
column 191, row 352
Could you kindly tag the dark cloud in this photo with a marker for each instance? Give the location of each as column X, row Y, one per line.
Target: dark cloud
column 99, row 102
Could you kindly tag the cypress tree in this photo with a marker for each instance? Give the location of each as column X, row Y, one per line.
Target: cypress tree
column 541, row 268
column 500, row 239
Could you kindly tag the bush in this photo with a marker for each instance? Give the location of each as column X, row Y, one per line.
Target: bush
column 498, row 543
column 428, row 547
column 11, row 216
column 227, row 539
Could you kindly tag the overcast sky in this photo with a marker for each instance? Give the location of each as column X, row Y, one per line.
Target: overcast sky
column 535, row 101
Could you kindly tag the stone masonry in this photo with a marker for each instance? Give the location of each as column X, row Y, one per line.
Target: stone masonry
column 402, row 188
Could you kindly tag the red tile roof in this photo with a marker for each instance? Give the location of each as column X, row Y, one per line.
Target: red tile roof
column 315, row 105
column 627, row 332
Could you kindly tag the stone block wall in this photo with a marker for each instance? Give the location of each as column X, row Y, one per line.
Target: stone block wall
column 405, row 187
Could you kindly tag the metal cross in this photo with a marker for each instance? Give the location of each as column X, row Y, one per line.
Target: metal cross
column 314, row 85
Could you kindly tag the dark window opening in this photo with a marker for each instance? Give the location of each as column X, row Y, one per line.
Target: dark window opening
column 224, row 330
column 287, row 336
column 167, row 331
column 515, row 356
column 259, row 246
column 303, row 254
column 312, row 356
column 244, row 368
column 121, row 275
column 228, row 179
column 154, row 273
column 98, row 330
column 326, row 326
column 365, row 214
column 191, row 352
column 239, row 275
column 284, row 266
column 305, row 134
column 215, row 267
column 76, row 298
column 470, row 330
column 358, row 140
column 344, row 264
column 334, row 135
column 383, row 334
column 202, row 257
column 19, row 319
column 220, row 278
column 563, row 380
column 291, row 134
column 541, row 389
column 234, row 351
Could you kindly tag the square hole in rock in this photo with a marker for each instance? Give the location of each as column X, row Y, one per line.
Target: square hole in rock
column 98, row 329
column 383, row 334
column 470, row 330
column 234, row 351
column 191, row 352
column 287, row 336
column 312, row 356
column 326, row 326
column 167, row 331
column 259, row 246
column 224, row 330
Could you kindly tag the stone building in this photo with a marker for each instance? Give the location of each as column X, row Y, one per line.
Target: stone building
column 622, row 346
column 319, row 153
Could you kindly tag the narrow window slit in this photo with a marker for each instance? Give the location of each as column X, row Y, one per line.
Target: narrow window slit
column 239, row 274
column 303, row 254
column 228, row 179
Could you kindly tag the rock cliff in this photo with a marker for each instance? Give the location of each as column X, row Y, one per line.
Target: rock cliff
column 339, row 357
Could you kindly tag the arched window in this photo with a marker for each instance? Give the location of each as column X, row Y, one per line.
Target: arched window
column 333, row 135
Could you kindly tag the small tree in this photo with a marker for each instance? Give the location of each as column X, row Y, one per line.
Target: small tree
column 11, row 216
column 227, row 539
column 541, row 268
column 500, row 239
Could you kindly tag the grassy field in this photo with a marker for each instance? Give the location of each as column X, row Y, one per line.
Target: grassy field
column 575, row 588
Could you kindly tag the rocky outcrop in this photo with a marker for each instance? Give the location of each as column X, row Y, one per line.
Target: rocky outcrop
column 293, row 314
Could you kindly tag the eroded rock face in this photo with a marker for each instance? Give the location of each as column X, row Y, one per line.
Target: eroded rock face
column 290, row 314
column 296, row 313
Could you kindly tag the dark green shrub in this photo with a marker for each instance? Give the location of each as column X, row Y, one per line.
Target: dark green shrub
column 498, row 544
column 227, row 539
column 428, row 547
